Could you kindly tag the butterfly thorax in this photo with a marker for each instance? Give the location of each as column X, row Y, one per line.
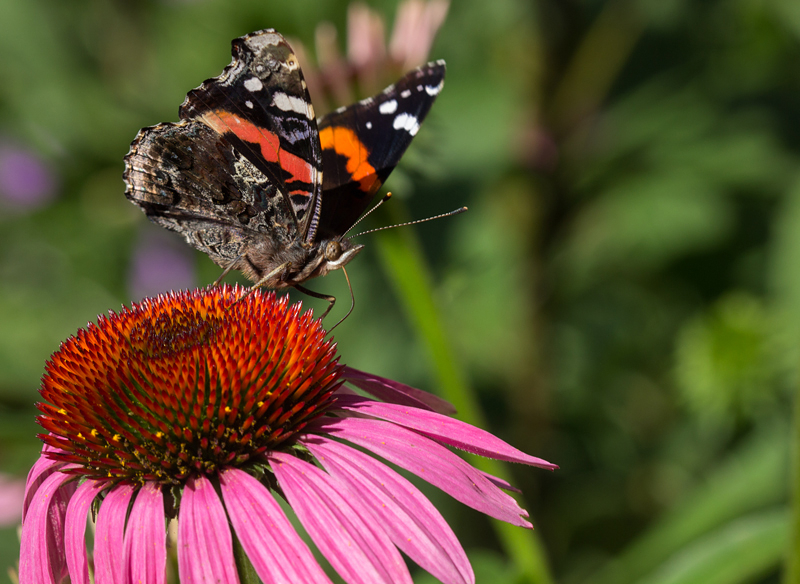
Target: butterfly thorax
column 293, row 264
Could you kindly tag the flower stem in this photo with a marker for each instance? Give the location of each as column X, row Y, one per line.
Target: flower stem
column 405, row 265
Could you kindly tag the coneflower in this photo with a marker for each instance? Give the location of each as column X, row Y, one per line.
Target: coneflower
column 203, row 408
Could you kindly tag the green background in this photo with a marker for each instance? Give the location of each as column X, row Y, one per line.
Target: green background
column 622, row 298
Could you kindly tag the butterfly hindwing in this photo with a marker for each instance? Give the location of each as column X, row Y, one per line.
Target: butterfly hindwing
column 362, row 143
column 188, row 178
column 260, row 104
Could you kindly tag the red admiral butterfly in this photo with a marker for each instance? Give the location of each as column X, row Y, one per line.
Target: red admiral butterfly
column 251, row 178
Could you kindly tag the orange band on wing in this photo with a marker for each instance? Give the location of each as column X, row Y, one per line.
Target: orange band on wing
column 344, row 142
column 269, row 143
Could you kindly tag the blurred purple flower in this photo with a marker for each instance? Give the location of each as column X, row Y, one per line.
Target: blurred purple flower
column 12, row 492
column 26, row 180
column 370, row 64
column 160, row 263
column 415, row 29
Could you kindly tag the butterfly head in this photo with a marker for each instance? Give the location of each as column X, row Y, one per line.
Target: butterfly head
column 333, row 254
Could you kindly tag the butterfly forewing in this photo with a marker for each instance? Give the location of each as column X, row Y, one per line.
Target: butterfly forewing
column 362, row 143
column 260, row 104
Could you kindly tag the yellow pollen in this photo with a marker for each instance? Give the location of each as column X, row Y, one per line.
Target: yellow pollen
column 62, row 411
column 116, row 438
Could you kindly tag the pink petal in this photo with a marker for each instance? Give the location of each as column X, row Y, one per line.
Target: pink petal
column 109, row 537
column 41, row 469
column 408, row 517
column 205, row 546
column 396, row 392
column 146, row 537
column 276, row 551
column 60, row 501
column 75, row 531
column 428, row 460
column 41, row 556
column 443, row 428
column 357, row 548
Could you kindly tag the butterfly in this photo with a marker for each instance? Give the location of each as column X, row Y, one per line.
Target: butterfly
column 250, row 177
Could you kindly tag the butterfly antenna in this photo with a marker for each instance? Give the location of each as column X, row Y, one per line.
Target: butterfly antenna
column 385, row 198
column 352, row 299
column 456, row 212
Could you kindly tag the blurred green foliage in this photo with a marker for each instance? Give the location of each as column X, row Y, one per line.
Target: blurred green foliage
column 623, row 295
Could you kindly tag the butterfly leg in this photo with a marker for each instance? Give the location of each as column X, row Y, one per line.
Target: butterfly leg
column 328, row 297
column 271, row 275
column 225, row 271
column 263, row 281
column 332, row 299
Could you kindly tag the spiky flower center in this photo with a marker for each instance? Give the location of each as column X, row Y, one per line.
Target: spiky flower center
column 169, row 334
column 187, row 383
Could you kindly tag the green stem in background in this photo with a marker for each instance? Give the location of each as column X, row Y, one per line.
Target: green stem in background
column 596, row 63
column 792, row 573
column 406, row 267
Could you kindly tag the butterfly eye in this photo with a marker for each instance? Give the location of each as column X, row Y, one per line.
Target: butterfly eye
column 333, row 250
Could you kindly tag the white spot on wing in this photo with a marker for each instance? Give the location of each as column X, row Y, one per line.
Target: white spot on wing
column 434, row 89
column 368, row 125
column 405, row 93
column 292, row 103
column 253, row 84
column 388, row 107
column 406, row 122
column 249, row 104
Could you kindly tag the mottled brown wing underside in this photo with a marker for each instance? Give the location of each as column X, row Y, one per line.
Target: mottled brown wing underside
column 188, row 178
